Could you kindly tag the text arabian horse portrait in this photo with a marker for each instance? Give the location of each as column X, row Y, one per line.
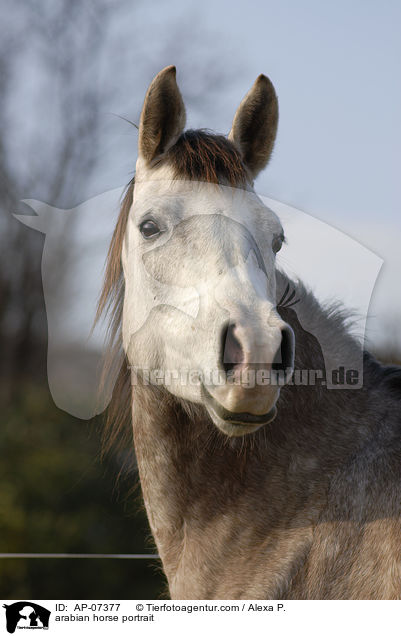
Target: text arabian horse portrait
column 271, row 490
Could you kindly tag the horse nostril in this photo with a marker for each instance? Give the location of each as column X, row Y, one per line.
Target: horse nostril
column 231, row 349
column 284, row 358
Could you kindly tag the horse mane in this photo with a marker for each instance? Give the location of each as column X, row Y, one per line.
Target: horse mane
column 117, row 431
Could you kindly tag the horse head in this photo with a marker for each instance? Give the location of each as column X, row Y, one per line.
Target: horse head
column 199, row 260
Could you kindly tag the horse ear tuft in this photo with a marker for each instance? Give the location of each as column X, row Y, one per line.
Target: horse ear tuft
column 162, row 118
column 255, row 125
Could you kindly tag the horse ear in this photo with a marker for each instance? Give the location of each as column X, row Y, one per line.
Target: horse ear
column 255, row 125
column 162, row 118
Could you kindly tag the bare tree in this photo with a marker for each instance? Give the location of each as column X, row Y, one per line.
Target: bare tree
column 49, row 48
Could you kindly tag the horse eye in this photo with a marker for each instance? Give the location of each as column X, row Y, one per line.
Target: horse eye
column 149, row 229
column 277, row 243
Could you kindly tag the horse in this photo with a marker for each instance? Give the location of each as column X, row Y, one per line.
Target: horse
column 271, row 490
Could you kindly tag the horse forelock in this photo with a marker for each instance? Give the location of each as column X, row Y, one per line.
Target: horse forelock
column 200, row 155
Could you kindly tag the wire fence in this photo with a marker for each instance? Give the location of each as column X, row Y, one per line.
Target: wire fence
column 64, row 555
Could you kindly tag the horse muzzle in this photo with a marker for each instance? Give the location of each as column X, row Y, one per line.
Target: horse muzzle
column 253, row 371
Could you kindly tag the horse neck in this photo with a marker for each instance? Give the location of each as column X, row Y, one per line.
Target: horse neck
column 199, row 484
column 192, row 476
column 167, row 442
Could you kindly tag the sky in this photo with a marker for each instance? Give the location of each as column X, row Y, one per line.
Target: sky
column 335, row 67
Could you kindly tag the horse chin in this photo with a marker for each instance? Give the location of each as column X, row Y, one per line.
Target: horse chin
column 235, row 424
column 238, row 429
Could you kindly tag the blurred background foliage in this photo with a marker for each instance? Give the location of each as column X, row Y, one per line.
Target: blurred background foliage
column 58, row 495
column 65, row 67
